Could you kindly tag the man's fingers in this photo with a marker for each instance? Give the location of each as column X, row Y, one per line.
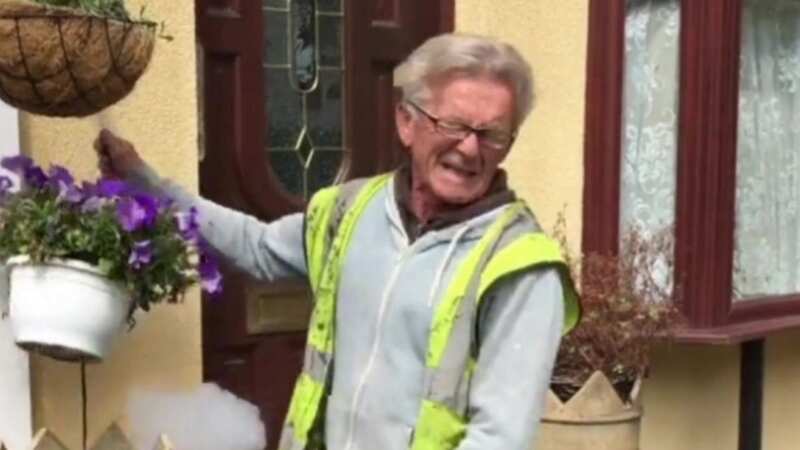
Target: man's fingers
column 115, row 156
column 104, row 160
column 105, row 134
column 104, row 145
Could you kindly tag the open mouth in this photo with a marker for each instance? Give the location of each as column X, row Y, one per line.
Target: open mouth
column 459, row 170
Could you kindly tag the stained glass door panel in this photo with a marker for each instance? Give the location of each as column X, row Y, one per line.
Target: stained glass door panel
column 303, row 66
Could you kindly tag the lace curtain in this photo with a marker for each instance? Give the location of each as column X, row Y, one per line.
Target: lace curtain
column 767, row 258
column 650, row 114
column 649, row 130
column 767, row 240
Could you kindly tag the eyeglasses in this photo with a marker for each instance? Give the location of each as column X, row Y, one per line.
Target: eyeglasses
column 487, row 137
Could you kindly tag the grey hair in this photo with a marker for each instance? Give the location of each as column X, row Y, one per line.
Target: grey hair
column 455, row 54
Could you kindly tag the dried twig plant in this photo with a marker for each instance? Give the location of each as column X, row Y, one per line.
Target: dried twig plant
column 629, row 301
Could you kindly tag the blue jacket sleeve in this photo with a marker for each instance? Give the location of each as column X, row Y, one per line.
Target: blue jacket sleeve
column 519, row 336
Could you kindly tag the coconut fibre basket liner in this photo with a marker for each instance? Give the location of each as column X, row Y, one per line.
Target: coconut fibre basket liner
column 65, row 63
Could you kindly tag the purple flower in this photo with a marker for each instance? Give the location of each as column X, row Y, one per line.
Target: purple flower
column 59, row 174
column 187, row 223
column 136, row 212
column 61, row 180
column 17, row 164
column 92, row 201
column 165, row 204
column 210, row 277
column 32, row 174
column 109, row 188
column 5, row 185
column 72, row 194
column 141, row 255
column 35, row 177
column 92, row 204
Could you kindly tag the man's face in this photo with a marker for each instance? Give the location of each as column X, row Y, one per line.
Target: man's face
column 453, row 170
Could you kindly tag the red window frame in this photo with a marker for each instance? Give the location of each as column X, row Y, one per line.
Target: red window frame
column 710, row 43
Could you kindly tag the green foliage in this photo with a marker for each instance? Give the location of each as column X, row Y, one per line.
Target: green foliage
column 114, row 9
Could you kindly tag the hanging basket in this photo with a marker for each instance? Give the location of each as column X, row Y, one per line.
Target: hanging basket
column 65, row 309
column 65, row 63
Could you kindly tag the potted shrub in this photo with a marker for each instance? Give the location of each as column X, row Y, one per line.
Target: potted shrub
column 82, row 259
column 70, row 57
column 629, row 303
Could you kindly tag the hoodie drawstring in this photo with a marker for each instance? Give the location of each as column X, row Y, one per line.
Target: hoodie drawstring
column 447, row 257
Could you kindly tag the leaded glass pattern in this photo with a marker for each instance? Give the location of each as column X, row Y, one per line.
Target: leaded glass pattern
column 304, row 75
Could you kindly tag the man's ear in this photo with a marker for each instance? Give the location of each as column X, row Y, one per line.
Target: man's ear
column 404, row 122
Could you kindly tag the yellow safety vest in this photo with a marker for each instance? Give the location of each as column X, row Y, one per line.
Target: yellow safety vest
column 330, row 220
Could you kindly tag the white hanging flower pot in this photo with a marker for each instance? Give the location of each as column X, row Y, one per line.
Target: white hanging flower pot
column 65, row 309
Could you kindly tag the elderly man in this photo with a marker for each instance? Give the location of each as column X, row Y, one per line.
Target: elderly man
column 438, row 301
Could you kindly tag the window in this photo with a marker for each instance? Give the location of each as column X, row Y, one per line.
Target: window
column 690, row 122
column 303, row 77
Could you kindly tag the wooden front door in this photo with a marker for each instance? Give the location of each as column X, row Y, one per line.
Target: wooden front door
column 296, row 95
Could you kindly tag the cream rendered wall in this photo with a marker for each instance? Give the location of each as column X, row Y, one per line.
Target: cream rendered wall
column 546, row 164
column 781, row 392
column 691, row 397
column 160, row 117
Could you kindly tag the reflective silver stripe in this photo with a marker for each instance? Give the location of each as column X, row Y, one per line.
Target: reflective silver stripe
column 348, row 193
column 288, row 441
column 449, row 383
column 316, row 364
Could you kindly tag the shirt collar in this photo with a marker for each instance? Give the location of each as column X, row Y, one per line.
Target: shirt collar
column 497, row 195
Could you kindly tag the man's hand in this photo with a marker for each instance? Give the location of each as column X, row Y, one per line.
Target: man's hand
column 116, row 157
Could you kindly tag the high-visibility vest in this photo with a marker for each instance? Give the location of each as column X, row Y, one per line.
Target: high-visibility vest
column 330, row 220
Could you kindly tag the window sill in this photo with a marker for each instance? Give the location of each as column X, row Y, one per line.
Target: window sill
column 737, row 333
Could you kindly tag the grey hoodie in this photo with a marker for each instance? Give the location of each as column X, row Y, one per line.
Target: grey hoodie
column 389, row 290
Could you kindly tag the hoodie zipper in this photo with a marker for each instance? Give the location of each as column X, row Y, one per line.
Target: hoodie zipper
column 376, row 344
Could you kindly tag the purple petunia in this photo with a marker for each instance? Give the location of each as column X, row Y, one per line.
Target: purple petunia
column 188, row 226
column 141, row 255
column 71, row 194
column 17, row 164
column 110, row 188
column 59, row 174
column 139, row 211
column 23, row 166
column 5, row 185
column 210, row 276
column 92, row 204
column 35, row 177
column 61, row 180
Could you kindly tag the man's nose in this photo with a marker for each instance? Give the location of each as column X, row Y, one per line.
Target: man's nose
column 470, row 145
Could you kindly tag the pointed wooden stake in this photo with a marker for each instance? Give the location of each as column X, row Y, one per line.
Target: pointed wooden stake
column 45, row 440
column 113, row 439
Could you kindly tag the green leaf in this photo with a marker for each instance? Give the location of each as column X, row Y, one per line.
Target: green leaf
column 105, row 265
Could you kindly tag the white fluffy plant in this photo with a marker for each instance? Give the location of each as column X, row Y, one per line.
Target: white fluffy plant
column 208, row 418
